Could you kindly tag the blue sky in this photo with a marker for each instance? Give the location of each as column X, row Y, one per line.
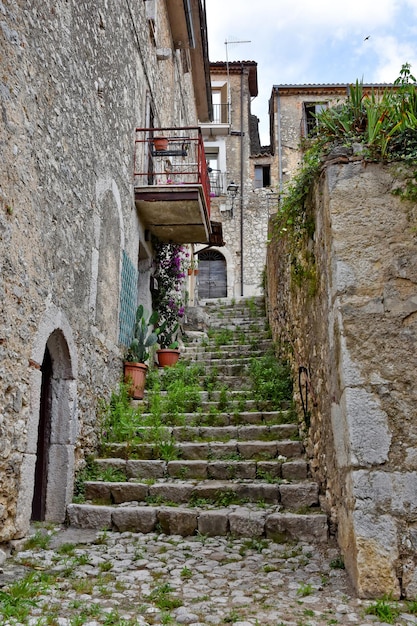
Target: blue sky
column 314, row 41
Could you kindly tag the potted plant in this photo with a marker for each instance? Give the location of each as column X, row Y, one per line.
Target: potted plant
column 168, row 299
column 135, row 367
column 168, row 352
column 160, row 143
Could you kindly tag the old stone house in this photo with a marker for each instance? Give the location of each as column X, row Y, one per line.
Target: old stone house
column 240, row 185
column 76, row 225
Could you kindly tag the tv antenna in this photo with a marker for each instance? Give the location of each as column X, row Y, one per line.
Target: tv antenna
column 229, row 42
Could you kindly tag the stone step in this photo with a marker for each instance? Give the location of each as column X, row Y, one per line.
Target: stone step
column 246, row 432
column 205, row 493
column 234, row 466
column 219, row 450
column 269, row 471
column 218, row 359
column 241, row 521
column 209, row 415
column 197, row 352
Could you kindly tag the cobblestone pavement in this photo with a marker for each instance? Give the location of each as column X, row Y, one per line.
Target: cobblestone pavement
column 89, row 578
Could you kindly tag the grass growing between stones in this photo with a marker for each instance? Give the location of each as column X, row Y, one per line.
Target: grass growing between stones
column 385, row 609
column 18, row 598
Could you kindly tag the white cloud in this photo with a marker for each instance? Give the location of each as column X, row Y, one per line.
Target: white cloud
column 321, row 41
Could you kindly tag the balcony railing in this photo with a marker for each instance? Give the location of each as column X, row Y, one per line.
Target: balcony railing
column 171, row 156
column 220, row 113
column 217, row 182
column 172, row 186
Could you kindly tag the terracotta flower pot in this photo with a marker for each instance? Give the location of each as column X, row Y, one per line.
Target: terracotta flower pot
column 135, row 377
column 160, row 143
column 167, row 357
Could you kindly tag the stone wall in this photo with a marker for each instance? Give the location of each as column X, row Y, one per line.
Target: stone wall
column 351, row 321
column 76, row 80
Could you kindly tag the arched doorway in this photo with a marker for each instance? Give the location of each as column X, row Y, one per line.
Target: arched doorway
column 44, row 440
column 56, row 433
column 212, row 277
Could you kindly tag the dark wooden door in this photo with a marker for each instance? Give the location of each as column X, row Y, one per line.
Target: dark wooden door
column 212, row 276
column 44, row 438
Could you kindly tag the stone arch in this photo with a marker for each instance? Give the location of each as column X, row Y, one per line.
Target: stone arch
column 53, row 341
column 107, row 259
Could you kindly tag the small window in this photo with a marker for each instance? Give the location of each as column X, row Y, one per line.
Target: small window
column 151, row 16
column 262, row 176
column 311, row 110
column 220, row 106
column 215, row 177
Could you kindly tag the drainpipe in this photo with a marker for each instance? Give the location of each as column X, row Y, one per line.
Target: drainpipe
column 241, row 181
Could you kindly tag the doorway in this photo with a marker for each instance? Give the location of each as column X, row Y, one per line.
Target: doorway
column 212, row 276
column 44, row 439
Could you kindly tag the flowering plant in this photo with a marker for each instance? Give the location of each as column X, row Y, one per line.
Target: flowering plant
column 168, row 299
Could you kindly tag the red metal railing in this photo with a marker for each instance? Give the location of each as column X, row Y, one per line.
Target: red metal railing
column 171, row 156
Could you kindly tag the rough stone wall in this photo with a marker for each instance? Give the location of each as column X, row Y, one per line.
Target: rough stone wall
column 352, row 322
column 75, row 82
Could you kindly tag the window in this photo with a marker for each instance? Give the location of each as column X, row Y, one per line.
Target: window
column 220, row 107
column 262, row 176
column 150, row 7
column 212, row 159
column 311, row 110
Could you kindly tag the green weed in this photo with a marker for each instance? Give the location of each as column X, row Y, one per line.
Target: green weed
column 305, row 589
column 163, row 599
column 385, row 609
column 17, row 599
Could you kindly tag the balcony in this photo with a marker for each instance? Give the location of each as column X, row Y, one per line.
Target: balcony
column 220, row 124
column 172, row 187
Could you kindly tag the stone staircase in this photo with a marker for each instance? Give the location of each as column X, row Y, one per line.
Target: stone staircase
column 238, row 467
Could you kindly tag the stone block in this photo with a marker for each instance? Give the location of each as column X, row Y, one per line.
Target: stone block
column 114, row 463
column 145, row 469
column 270, row 469
column 185, row 433
column 128, row 492
column 225, row 470
column 299, row 495
column 283, row 431
column 194, row 451
column 248, row 417
column 89, row 516
column 176, row 521
column 97, row 490
column 213, row 523
column 258, row 492
column 295, row 470
column 289, row 449
column 246, row 523
column 220, row 450
column 283, row 526
column 252, row 432
column 171, row 492
column 218, row 432
column 257, row 449
column 137, row 519
column 187, row 469
column 212, row 490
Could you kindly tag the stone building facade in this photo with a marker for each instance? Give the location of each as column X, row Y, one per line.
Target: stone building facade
column 75, row 257
column 239, row 201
